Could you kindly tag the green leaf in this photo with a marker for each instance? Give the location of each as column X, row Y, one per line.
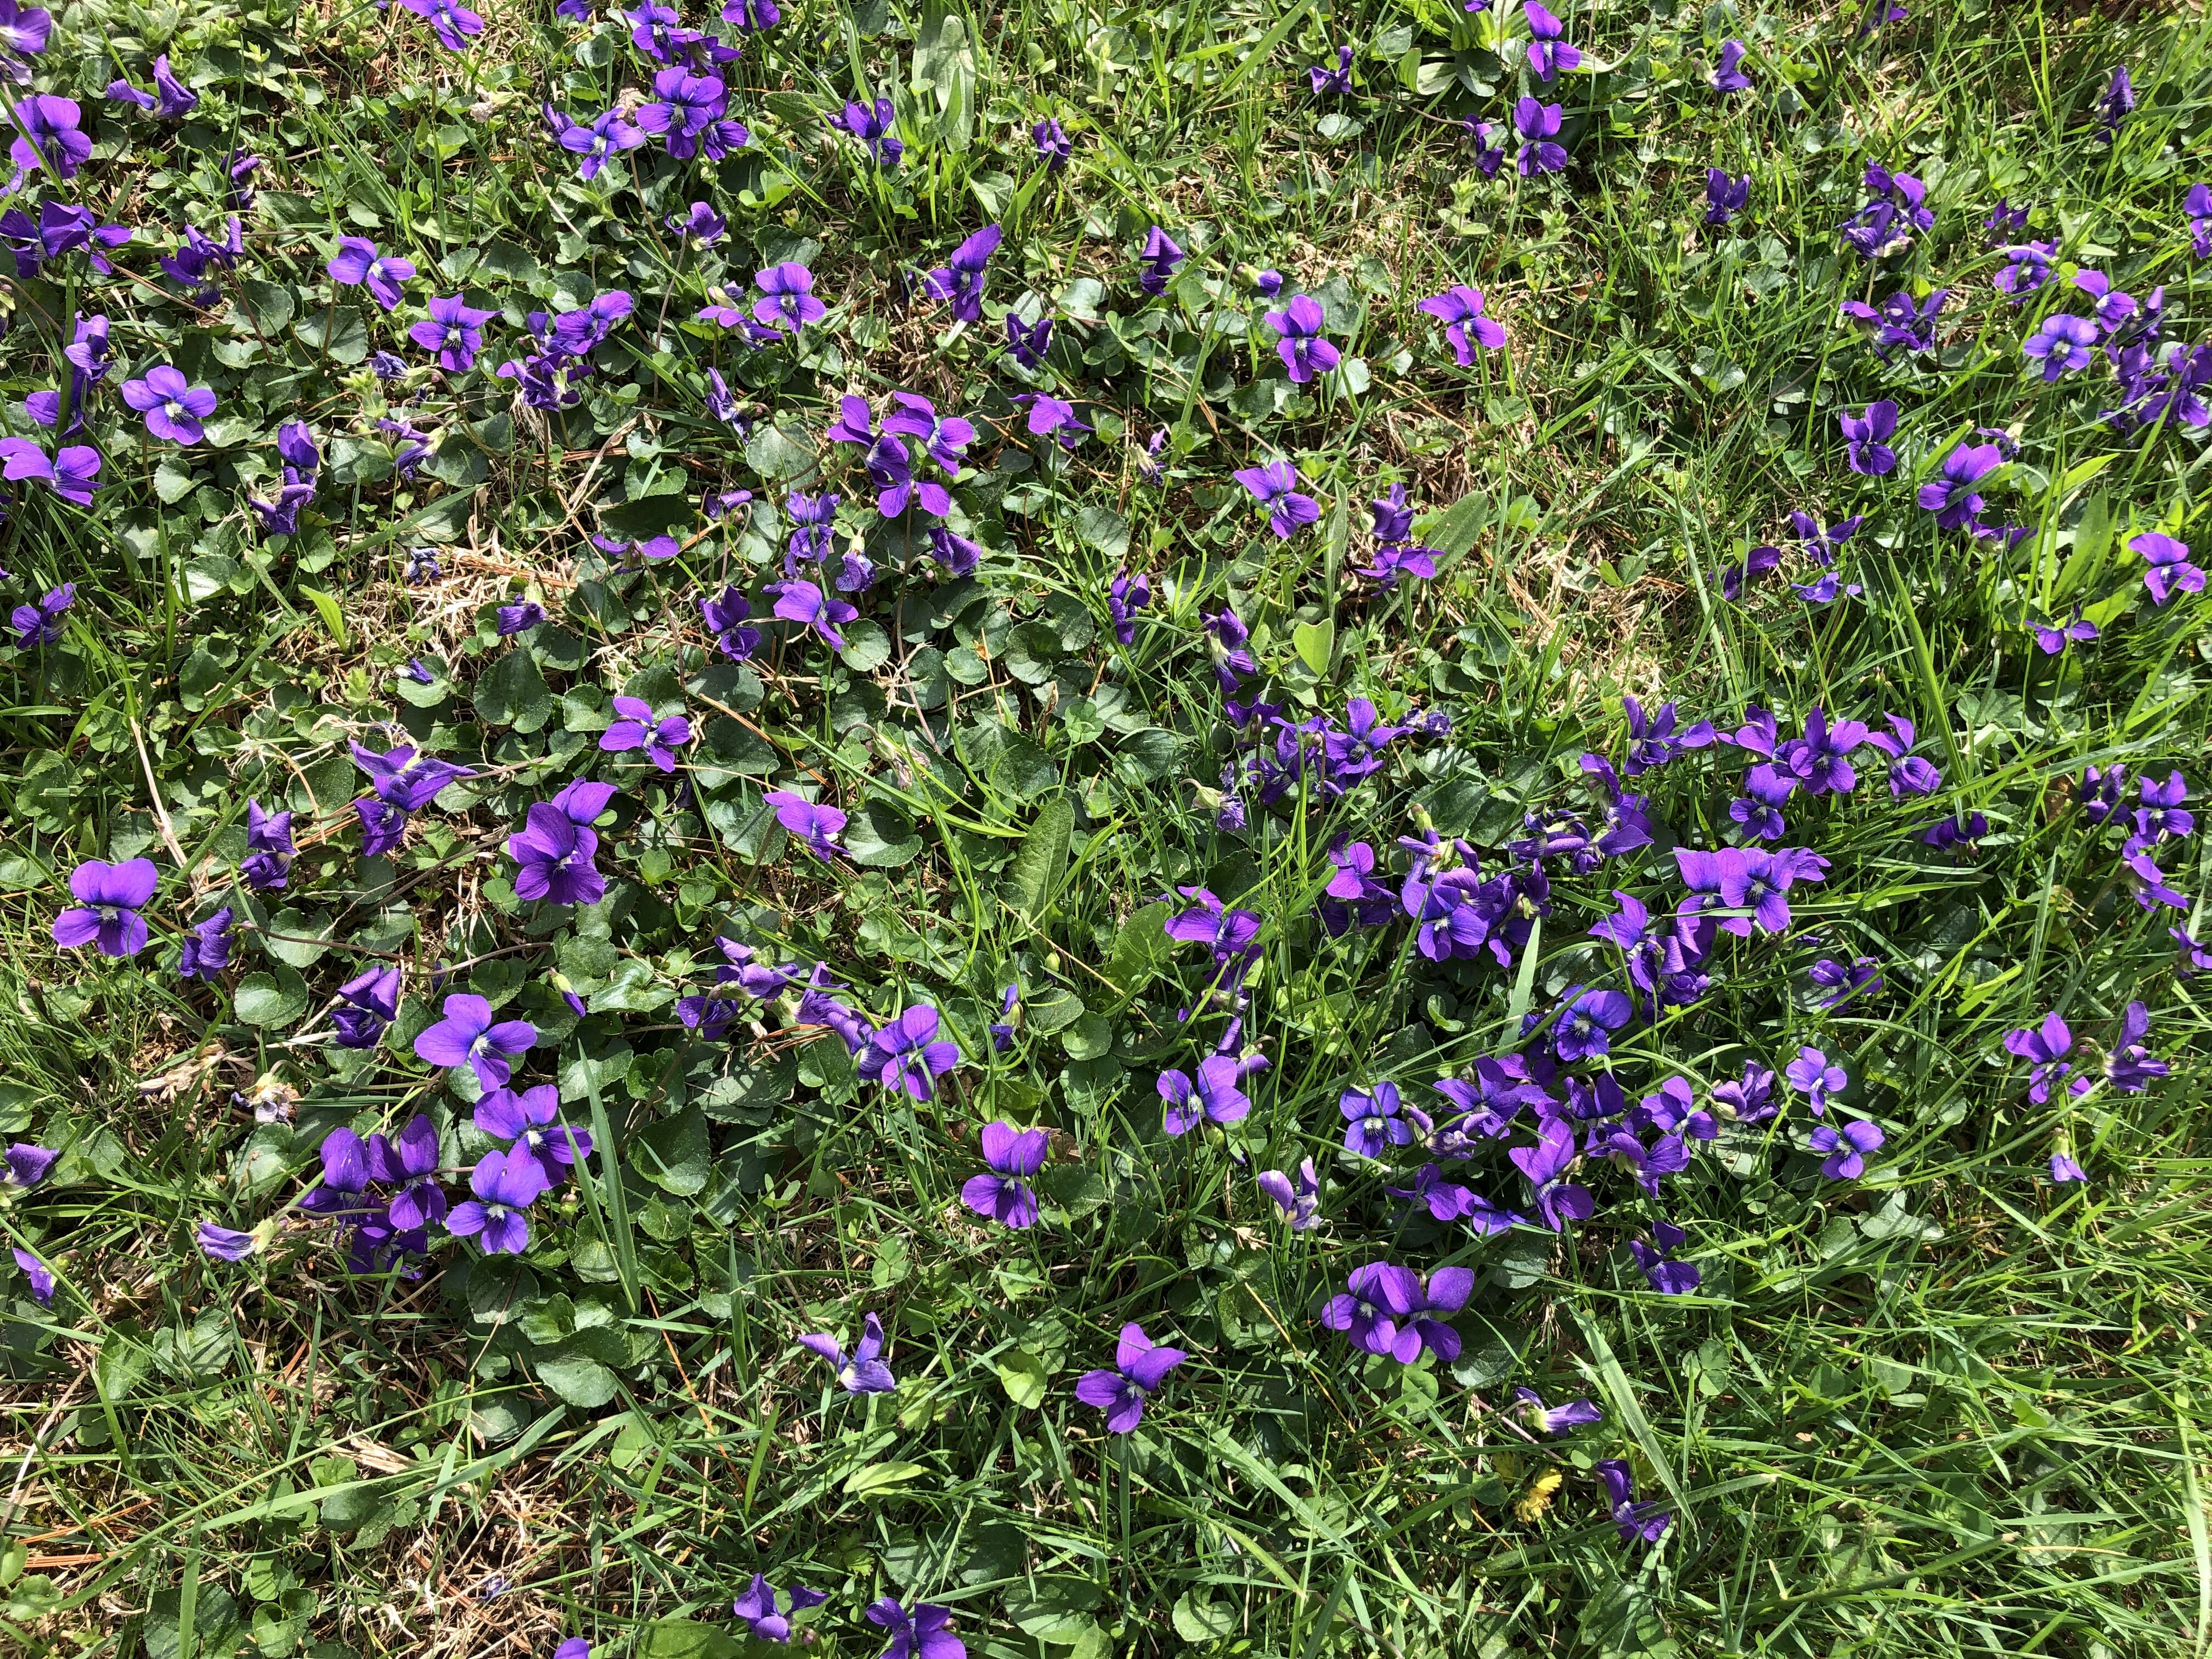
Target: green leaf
column 575, row 1371
column 1453, row 531
column 1100, row 527
column 674, row 1154
column 1022, row 1374
column 1315, row 644
column 775, row 453
column 685, row 1638
column 881, row 1477
column 269, row 304
column 298, row 948
column 867, row 648
column 122, row 1363
column 882, row 836
column 327, row 607
column 1051, row 1009
column 173, row 481
column 633, row 990
column 945, row 64
column 1037, row 868
column 1196, row 1619
column 342, row 327
column 218, row 1628
column 514, row 693
column 1141, row 949
column 266, row 1000
column 1089, row 1037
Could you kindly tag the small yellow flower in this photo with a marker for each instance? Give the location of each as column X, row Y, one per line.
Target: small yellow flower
column 1532, row 1503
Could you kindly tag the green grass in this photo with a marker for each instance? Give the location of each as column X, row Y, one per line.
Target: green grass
column 1948, row 1411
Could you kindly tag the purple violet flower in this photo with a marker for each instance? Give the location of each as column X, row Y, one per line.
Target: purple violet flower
column 863, row 1371
column 1140, row 1368
column 109, row 899
column 1004, row 1195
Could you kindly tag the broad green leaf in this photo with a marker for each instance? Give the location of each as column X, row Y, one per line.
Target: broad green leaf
column 1141, row 949
column 340, row 328
column 881, row 1477
column 1452, row 532
column 513, row 692
column 881, row 836
column 1315, row 644
column 1037, row 868
column 327, row 607
column 1022, row 1375
column 944, row 70
column 272, row 999
column 674, row 1153
column 685, row 1638
column 867, row 648
column 574, row 1368
column 1197, row 1619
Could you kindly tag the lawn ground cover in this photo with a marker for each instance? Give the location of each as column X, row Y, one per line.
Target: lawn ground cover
column 1051, row 831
